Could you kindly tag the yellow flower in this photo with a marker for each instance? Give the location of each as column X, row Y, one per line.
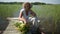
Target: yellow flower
column 22, row 25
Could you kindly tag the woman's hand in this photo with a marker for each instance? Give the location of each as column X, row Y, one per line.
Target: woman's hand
column 25, row 21
column 34, row 14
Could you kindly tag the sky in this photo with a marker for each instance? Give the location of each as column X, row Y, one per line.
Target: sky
column 44, row 1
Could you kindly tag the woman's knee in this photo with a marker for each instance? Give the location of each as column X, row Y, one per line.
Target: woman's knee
column 33, row 18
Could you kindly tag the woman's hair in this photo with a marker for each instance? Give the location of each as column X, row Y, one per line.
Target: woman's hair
column 24, row 4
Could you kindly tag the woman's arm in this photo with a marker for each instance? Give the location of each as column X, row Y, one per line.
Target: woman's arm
column 21, row 17
column 33, row 13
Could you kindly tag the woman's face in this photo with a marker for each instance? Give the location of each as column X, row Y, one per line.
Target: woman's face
column 27, row 7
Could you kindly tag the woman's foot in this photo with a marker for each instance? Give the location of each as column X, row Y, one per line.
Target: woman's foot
column 0, row 31
column 42, row 33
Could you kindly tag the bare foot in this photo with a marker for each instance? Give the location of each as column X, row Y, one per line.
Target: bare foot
column 0, row 31
column 42, row 33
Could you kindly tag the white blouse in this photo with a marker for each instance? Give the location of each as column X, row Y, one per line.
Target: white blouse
column 24, row 13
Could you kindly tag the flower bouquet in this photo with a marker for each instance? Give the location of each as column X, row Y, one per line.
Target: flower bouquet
column 24, row 28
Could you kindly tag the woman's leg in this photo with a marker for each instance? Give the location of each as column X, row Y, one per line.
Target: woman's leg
column 34, row 22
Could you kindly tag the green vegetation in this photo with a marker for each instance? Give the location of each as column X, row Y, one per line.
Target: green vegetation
column 49, row 14
column 8, row 9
